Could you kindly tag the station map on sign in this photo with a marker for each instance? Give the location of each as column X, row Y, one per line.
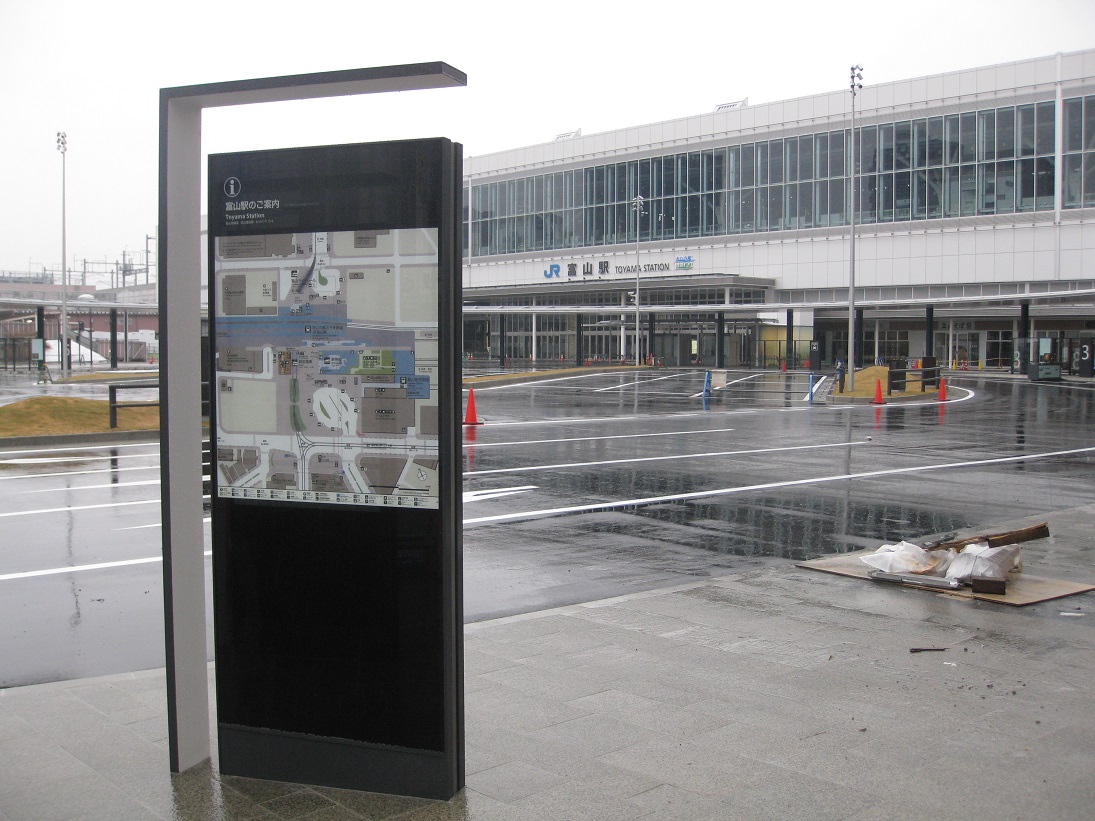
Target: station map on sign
column 327, row 367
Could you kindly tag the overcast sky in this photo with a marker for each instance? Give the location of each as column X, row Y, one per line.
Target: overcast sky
column 535, row 70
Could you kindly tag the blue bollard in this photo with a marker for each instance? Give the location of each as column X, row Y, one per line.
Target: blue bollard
column 810, row 398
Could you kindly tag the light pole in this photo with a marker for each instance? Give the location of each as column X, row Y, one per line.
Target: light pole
column 62, row 146
column 853, row 87
column 638, row 203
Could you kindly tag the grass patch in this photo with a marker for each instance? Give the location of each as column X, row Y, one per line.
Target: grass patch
column 56, row 415
column 868, row 379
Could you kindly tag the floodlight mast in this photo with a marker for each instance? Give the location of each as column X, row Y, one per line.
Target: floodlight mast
column 638, row 203
column 62, row 146
column 854, row 86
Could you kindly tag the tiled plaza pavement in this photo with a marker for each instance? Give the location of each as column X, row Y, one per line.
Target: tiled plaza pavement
column 774, row 693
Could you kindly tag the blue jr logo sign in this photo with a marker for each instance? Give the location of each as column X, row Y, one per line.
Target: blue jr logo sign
column 552, row 271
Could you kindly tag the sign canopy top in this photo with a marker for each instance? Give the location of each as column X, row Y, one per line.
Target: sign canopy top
column 410, row 77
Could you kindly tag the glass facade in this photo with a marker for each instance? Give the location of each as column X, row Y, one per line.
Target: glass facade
column 1079, row 153
column 985, row 162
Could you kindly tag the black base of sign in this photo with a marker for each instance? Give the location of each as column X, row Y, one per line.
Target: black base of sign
column 329, row 623
column 332, row 762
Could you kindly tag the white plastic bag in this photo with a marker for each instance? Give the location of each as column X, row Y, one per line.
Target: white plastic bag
column 986, row 562
column 906, row 557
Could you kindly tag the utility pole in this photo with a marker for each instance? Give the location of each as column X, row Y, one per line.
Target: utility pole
column 147, row 238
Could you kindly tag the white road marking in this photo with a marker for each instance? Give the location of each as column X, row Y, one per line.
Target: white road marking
column 561, row 420
column 205, row 519
column 728, row 384
column 74, row 473
column 578, row 420
column 52, row 460
column 535, row 382
column 80, row 568
column 152, row 446
column 93, row 487
column 471, row 496
column 817, row 387
column 639, row 382
column 563, row 465
column 595, row 438
column 78, row 507
column 701, row 494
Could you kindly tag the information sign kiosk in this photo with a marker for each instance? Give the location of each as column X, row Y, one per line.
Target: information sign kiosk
column 334, row 289
column 1046, row 364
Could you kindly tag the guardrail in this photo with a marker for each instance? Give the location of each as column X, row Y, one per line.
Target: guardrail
column 207, row 449
column 113, row 389
column 898, row 378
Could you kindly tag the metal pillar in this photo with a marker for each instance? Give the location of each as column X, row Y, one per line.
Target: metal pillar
column 533, row 349
column 650, row 335
column 114, row 338
column 929, row 330
column 789, row 353
column 720, row 339
column 858, row 339
column 1023, row 342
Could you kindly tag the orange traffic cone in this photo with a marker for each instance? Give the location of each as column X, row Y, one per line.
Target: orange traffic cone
column 942, row 389
column 878, row 400
column 783, row 366
column 469, row 415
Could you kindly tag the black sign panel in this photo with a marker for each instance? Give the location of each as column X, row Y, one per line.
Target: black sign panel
column 1085, row 357
column 334, row 293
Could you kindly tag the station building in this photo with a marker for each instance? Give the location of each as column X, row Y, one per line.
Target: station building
column 974, row 228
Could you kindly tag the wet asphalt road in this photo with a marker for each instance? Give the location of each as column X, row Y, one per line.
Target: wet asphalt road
column 576, row 489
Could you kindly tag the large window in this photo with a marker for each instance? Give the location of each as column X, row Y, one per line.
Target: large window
column 991, row 161
column 1079, row 153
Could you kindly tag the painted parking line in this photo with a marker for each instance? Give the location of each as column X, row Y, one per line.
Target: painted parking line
column 596, row 438
column 531, row 383
column 75, row 472
column 152, row 448
column 108, row 486
column 53, row 460
column 640, row 382
column 707, row 494
column 82, row 568
column 728, row 384
column 632, row 460
column 472, row 496
column 78, row 507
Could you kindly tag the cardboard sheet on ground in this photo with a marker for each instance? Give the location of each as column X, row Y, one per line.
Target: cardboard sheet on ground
column 1022, row 589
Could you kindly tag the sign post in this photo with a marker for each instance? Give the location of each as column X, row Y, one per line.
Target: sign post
column 180, row 205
